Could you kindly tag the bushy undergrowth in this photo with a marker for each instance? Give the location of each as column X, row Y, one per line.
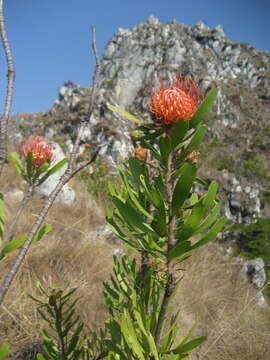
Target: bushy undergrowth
column 97, row 178
column 253, row 240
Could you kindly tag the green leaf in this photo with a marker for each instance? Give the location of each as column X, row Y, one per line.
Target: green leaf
column 130, row 335
column 178, row 132
column 136, row 169
column 15, row 159
column 111, row 189
column 165, row 148
column 125, row 114
column 188, row 347
column 210, row 196
column 44, row 167
column 211, row 234
column 192, row 221
column 14, row 244
column 196, row 139
column 204, row 108
column 150, row 135
column 115, row 228
column 42, row 232
column 159, row 224
column 209, row 219
column 183, row 186
column 152, row 194
column 131, row 216
column 201, row 181
column 53, row 170
column 113, row 294
column 154, row 152
column 199, row 211
column 137, row 203
column 40, row 357
column 4, row 350
column 18, row 242
column 133, row 195
column 181, row 248
column 115, row 331
column 74, row 340
column 29, row 164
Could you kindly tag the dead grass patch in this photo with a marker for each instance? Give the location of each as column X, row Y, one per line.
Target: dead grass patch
column 213, row 293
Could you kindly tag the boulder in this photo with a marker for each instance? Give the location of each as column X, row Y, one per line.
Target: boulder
column 254, row 271
column 67, row 194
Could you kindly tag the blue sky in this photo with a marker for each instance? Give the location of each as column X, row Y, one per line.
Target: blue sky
column 51, row 40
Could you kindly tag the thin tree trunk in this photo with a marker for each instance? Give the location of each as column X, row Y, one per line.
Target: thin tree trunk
column 9, row 93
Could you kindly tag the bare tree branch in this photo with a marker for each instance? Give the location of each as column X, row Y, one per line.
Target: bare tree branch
column 69, row 173
column 9, row 94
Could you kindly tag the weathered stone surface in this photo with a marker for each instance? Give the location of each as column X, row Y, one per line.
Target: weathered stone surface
column 13, row 194
column 67, row 194
column 254, row 270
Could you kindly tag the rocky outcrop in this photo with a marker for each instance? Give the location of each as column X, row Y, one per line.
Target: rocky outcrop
column 237, row 145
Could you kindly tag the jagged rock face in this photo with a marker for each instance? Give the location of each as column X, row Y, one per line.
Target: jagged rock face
column 133, row 63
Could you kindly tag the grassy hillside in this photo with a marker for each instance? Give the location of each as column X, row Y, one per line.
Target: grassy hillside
column 211, row 291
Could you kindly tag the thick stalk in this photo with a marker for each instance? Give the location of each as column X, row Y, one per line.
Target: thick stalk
column 170, row 284
column 58, row 325
column 144, row 263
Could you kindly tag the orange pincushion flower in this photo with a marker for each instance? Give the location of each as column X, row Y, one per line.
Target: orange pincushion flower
column 180, row 100
column 40, row 149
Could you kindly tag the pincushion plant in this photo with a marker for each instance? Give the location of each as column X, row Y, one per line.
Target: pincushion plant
column 157, row 214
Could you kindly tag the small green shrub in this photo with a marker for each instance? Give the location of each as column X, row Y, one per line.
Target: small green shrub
column 254, row 167
column 96, row 181
column 254, row 241
column 265, row 197
column 224, row 162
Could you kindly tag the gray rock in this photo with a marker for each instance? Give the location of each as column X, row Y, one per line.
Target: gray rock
column 261, row 301
column 14, row 194
column 67, row 194
column 104, row 233
column 254, row 270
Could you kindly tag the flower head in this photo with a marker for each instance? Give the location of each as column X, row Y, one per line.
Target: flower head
column 180, row 100
column 193, row 157
column 40, row 148
column 140, row 153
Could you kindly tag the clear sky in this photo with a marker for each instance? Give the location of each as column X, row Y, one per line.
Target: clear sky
column 51, row 39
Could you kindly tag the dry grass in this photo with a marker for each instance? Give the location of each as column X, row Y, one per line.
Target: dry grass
column 66, row 258
column 210, row 291
column 213, row 293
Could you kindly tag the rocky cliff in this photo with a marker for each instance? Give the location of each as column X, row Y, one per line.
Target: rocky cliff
column 236, row 152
